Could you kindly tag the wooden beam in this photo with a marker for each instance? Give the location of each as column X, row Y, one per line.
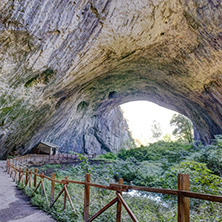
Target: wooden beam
column 120, row 198
column 26, row 176
column 201, row 196
column 69, row 198
column 119, row 207
column 57, row 197
column 35, row 177
column 64, row 203
column 86, row 197
column 183, row 202
column 46, row 198
column 103, row 209
column 52, row 188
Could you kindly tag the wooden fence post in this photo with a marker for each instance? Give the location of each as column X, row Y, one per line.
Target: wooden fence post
column 42, row 178
column 119, row 206
column 86, row 197
column 52, row 188
column 35, row 177
column 19, row 174
column 30, row 180
column 65, row 195
column 26, row 176
column 183, row 202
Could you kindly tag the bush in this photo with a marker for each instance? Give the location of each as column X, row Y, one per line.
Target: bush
column 211, row 155
column 170, row 151
column 108, row 155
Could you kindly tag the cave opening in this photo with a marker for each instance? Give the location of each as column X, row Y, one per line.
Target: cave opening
column 149, row 122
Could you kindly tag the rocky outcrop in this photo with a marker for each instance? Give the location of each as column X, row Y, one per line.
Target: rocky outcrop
column 98, row 134
column 66, row 64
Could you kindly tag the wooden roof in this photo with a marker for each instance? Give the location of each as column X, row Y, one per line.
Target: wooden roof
column 48, row 144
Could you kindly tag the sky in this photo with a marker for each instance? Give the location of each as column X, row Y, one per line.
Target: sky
column 140, row 116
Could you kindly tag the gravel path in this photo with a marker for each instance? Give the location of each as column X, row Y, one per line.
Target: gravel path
column 15, row 205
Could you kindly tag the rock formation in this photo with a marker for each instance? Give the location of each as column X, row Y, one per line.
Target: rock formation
column 65, row 65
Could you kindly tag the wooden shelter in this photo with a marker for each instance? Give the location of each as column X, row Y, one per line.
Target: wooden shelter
column 45, row 148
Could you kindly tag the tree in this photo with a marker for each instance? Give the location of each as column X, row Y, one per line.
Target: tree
column 167, row 137
column 156, row 129
column 183, row 127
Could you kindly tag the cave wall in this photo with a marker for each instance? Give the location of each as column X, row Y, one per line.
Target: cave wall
column 65, row 65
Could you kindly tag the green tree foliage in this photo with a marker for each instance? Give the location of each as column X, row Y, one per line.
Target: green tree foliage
column 171, row 152
column 156, row 130
column 201, row 178
column 108, row 155
column 183, row 127
column 167, row 138
column 211, row 155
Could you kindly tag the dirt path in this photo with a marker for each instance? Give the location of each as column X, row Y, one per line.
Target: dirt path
column 15, row 205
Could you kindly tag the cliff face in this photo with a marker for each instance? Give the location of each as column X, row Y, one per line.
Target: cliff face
column 66, row 64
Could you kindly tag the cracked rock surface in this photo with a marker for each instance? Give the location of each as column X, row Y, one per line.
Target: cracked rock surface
column 67, row 65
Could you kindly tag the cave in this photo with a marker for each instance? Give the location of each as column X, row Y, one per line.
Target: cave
column 67, row 66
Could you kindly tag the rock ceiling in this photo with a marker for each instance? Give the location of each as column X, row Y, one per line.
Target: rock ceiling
column 65, row 66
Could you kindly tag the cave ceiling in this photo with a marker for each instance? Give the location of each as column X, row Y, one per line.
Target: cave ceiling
column 65, row 65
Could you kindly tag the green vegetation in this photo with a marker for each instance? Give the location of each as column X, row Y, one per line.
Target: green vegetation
column 183, row 128
column 156, row 165
column 159, row 151
column 44, row 78
column 82, row 106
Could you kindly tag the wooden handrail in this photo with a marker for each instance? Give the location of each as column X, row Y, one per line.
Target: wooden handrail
column 201, row 196
column 181, row 192
column 151, row 189
column 126, row 188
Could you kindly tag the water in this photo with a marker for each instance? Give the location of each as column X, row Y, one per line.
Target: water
column 149, row 196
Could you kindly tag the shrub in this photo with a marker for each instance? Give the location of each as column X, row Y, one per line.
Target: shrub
column 108, row 155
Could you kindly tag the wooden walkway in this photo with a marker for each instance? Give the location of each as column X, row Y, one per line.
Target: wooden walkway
column 14, row 204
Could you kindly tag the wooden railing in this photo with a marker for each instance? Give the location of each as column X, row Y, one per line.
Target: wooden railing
column 38, row 159
column 27, row 177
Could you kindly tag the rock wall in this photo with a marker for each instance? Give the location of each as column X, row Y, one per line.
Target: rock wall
column 98, row 134
column 66, row 64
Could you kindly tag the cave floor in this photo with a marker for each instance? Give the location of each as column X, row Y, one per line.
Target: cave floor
column 14, row 204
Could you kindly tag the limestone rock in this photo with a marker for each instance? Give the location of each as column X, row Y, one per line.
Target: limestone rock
column 64, row 65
